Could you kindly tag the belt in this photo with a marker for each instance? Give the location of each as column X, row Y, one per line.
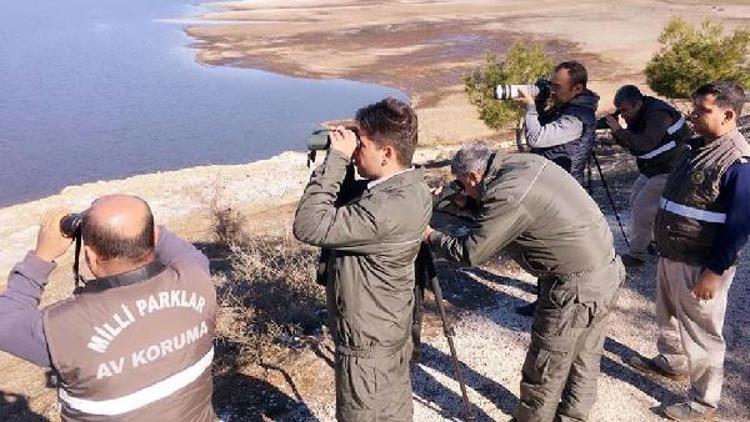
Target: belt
column 694, row 213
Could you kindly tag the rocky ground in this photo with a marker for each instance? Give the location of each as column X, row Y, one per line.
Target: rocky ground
column 423, row 47
column 492, row 341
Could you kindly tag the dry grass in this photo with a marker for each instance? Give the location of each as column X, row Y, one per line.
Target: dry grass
column 269, row 301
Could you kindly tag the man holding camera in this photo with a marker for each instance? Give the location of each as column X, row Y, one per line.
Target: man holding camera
column 372, row 241
column 565, row 133
column 135, row 343
column 559, row 234
column 702, row 224
column 655, row 135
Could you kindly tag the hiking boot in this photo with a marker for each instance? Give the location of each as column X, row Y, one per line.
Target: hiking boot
column 657, row 365
column 631, row 262
column 684, row 412
column 526, row 310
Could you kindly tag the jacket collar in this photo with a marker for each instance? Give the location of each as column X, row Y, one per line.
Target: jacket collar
column 404, row 178
column 137, row 275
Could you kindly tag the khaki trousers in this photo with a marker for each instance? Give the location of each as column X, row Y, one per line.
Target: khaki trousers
column 690, row 330
column 374, row 389
column 644, row 203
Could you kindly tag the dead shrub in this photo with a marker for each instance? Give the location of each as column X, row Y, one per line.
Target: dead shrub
column 269, row 299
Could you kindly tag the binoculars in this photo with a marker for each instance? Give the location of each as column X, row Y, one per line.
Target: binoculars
column 70, row 225
column 601, row 123
column 320, row 140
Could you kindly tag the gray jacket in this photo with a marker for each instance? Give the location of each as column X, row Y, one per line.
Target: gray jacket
column 373, row 240
column 541, row 213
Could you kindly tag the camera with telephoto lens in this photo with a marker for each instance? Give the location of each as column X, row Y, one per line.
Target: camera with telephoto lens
column 70, row 225
column 541, row 89
column 601, row 123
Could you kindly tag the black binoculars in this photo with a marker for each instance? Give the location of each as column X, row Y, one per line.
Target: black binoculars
column 70, row 225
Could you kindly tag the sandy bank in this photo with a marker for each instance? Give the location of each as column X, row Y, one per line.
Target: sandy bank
column 426, row 47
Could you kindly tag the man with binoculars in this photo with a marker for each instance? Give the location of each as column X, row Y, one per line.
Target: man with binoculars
column 371, row 241
column 656, row 133
column 136, row 342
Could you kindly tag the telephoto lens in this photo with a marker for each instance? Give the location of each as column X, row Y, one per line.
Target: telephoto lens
column 70, row 225
column 507, row 92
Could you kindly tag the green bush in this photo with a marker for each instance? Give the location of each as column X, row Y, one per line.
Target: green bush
column 692, row 56
column 523, row 64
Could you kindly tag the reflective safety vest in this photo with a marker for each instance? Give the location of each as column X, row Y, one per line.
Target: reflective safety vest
column 137, row 352
column 660, row 160
column 690, row 216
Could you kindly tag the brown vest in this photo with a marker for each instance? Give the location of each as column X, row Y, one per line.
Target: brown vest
column 137, row 352
column 690, row 217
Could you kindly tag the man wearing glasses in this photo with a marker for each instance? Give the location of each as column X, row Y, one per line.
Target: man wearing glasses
column 371, row 242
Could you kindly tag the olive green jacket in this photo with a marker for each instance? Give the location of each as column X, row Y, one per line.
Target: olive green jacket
column 541, row 213
column 374, row 240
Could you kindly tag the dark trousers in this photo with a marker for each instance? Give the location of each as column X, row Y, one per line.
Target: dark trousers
column 559, row 375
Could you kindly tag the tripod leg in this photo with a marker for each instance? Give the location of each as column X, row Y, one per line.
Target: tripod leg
column 609, row 197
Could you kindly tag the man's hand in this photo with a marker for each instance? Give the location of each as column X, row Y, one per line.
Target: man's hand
column 707, row 285
column 426, row 235
column 524, row 99
column 613, row 122
column 50, row 242
column 343, row 141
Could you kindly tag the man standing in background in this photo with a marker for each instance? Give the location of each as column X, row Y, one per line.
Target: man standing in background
column 655, row 135
column 701, row 226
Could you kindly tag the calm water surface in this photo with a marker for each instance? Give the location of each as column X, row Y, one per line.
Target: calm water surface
column 102, row 89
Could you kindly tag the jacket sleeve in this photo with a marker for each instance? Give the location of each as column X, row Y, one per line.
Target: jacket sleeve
column 319, row 222
column 655, row 128
column 501, row 221
column 735, row 190
column 561, row 131
column 21, row 330
column 170, row 250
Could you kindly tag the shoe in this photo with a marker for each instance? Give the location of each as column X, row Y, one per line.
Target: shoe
column 631, row 261
column 684, row 412
column 656, row 365
column 527, row 310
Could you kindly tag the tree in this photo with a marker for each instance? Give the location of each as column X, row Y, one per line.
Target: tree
column 523, row 64
column 692, row 56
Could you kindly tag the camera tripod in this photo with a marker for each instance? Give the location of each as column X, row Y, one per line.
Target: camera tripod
column 426, row 272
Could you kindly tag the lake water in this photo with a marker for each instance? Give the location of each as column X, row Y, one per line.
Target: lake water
column 102, row 89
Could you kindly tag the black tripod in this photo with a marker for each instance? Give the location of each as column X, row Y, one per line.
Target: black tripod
column 595, row 159
column 425, row 270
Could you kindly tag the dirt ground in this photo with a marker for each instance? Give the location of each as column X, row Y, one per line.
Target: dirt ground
column 424, row 48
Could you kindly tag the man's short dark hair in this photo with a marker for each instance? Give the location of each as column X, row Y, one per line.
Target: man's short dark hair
column 391, row 122
column 111, row 244
column 729, row 94
column 628, row 94
column 577, row 72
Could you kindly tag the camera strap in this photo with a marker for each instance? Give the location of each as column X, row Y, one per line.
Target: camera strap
column 79, row 281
